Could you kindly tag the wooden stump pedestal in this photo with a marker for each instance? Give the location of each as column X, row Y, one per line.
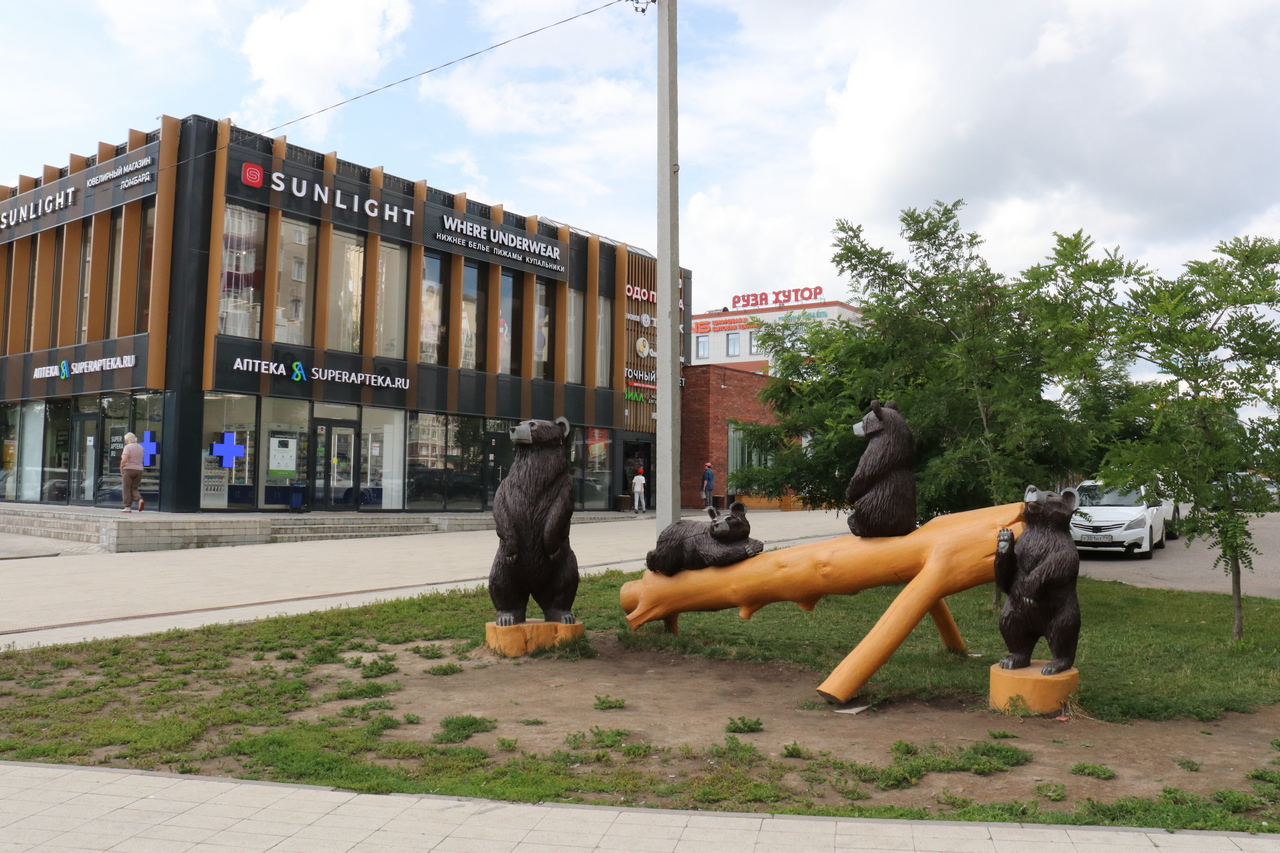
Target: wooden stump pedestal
column 1039, row 694
column 515, row 641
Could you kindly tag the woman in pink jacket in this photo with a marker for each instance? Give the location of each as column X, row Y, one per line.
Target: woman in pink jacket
column 131, row 472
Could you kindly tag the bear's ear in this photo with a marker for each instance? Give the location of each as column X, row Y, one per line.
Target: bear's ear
column 1070, row 499
column 711, row 511
column 875, row 406
column 739, row 509
column 564, row 425
column 892, row 404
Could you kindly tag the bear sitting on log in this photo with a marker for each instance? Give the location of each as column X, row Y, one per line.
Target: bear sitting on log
column 1038, row 572
column 532, row 510
column 688, row 545
column 882, row 491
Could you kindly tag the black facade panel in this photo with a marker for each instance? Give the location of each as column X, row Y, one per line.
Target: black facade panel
column 471, row 392
column 433, row 388
column 339, row 392
column 577, row 261
column 609, row 269
column 544, row 400
column 388, row 396
column 575, row 403
column 180, row 476
column 228, row 351
column 508, row 402
column 604, row 406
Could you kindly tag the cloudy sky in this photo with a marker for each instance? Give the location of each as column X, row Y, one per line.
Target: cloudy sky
column 1151, row 125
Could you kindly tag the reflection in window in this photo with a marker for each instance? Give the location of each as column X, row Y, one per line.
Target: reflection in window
column 544, row 338
column 731, row 346
column 465, row 456
column 574, row 332
column 244, row 242
column 146, row 253
column 148, row 426
column 604, row 343
column 382, row 458
column 55, row 308
column 393, row 291
column 591, row 467
column 115, row 263
column 9, row 413
column 346, row 291
column 510, row 324
column 295, row 292
column 82, row 288
column 431, row 339
column 703, row 344
column 474, row 316
column 753, row 345
column 426, row 473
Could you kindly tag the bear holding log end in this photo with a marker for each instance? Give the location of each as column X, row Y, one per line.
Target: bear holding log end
column 694, row 545
column 882, row 493
column 532, row 510
column 1038, row 572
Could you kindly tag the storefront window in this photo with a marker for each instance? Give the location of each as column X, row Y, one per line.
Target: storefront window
column 115, row 263
column 604, row 343
column 499, row 455
column 9, row 420
column 282, row 467
column 115, row 423
column 346, row 291
column 573, row 331
column 230, row 451
column 427, row 486
column 296, row 282
column 592, row 470
column 148, row 426
column 474, row 318
column 544, row 345
column 510, row 324
column 382, row 467
column 55, row 306
column 244, row 241
column 431, row 342
column 393, row 291
column 465, row 456
column 31, row 451
column 146, row 254
column 57, row 451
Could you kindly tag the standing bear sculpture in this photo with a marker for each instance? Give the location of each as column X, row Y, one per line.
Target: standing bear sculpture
column 532, row 510
column 691, row 545
column 1038, row 573
column 882, row 492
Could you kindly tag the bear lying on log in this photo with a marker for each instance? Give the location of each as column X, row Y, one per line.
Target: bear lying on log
column 692, row 545
column 947, row 555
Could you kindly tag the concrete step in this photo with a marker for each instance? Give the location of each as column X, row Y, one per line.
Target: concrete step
column 323, row 537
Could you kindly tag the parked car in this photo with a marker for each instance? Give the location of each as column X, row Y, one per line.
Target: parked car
column 1112, row 520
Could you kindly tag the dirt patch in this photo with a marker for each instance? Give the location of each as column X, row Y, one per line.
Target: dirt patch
column 674, row 701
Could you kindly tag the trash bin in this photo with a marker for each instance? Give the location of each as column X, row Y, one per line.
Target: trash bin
column 295, row 499
column 717, row 501
column 622, row 503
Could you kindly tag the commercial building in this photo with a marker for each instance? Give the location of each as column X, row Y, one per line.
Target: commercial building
column 729, row 336
column 285, row 329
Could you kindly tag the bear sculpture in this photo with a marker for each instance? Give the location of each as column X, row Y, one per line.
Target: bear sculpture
column 532, row 510
column 697, row 545
column 1038, row 573
column 882, row 492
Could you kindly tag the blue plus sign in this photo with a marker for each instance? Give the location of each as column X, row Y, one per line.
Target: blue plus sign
column 228, row 450
column 149, row 447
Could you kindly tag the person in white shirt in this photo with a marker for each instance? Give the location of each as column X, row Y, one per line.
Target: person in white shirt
column 637, row 490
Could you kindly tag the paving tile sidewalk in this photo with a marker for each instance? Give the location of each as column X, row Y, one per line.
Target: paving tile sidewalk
column 53, row 808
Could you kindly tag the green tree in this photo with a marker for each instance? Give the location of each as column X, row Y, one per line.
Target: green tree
column 1211, row 335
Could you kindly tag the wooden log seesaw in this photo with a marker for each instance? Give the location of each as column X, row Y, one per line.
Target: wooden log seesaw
column 949, row 554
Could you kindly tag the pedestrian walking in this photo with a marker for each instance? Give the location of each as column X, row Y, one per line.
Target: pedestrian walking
column 131, row 468
column 708, row 485
column 637, row 491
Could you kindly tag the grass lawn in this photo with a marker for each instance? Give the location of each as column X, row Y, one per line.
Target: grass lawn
column 187, row 700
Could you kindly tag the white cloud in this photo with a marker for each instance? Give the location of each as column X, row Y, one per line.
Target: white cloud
column 315, row 54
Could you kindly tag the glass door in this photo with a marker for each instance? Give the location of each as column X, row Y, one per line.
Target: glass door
column 85, row 458
column 336, row 465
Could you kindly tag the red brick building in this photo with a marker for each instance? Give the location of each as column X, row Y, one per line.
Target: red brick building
column 713, row 395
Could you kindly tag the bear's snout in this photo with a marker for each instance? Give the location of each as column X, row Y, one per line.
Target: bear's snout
column 521, row 434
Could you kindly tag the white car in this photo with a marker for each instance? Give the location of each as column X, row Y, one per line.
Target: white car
column 1110, row 520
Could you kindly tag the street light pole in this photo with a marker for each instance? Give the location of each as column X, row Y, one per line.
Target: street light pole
column 670, row 339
